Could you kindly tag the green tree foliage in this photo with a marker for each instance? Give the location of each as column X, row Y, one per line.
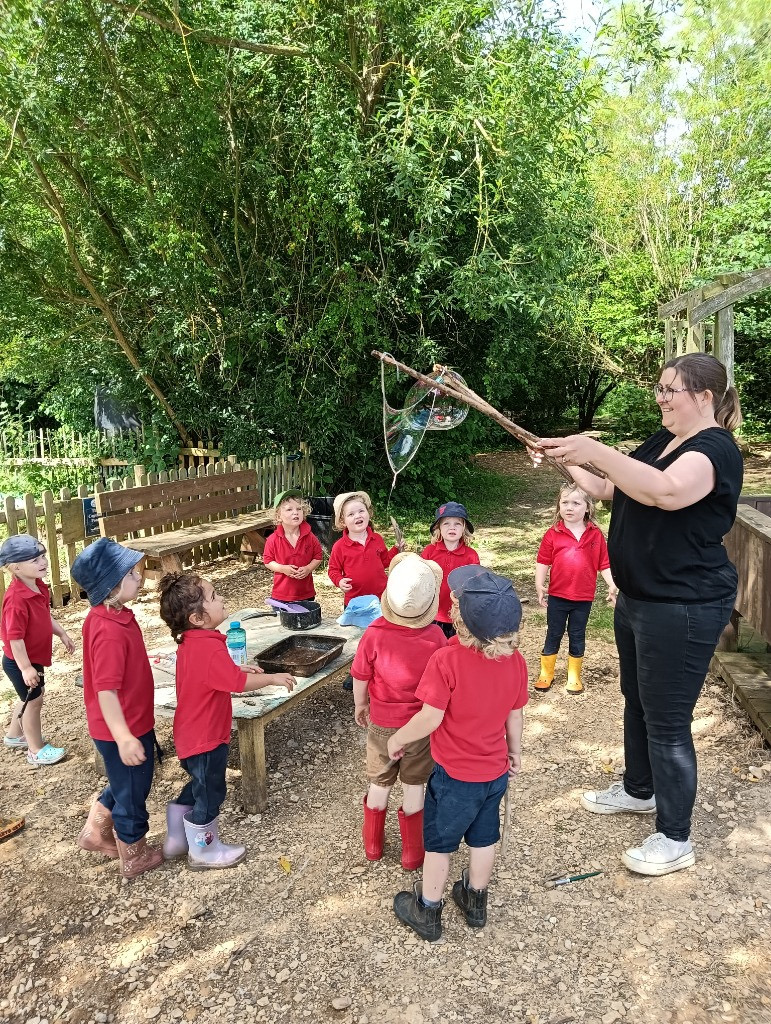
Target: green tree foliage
column 222, row 223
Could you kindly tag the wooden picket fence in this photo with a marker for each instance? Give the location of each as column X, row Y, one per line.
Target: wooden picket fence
column 60, row 523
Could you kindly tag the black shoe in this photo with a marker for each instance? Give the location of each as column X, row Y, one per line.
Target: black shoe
column 472, row 902
column 348, row 682
column 411, row 910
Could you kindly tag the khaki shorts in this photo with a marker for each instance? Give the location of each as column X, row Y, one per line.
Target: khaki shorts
column 413, row 769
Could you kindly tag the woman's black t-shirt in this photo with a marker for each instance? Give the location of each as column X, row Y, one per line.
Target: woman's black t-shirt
column 678, row 556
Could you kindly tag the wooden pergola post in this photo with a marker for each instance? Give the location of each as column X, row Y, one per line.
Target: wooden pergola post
column 685, row 317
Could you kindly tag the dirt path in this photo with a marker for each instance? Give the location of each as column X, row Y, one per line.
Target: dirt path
column 259, row 944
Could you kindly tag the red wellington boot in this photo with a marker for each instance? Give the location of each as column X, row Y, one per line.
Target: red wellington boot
column 411, row 828
column 373, row 831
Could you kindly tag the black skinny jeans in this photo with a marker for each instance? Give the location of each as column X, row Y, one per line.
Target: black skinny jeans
column 664, row 653
column 560, row 613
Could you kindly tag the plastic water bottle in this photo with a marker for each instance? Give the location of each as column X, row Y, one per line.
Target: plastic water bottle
column 236, row 643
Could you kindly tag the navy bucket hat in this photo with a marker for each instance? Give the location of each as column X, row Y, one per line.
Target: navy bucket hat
column 101, row 566
column 488, row 603
column 452, row 510
column 21, row 548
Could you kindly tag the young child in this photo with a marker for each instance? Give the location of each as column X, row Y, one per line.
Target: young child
column 575, row 548
column 473, row 693
column 386, row 671
column 292, row 552
column 118, row 693
column 358, row 561
column 27, row 628
column 451, row 533
column 206, row 677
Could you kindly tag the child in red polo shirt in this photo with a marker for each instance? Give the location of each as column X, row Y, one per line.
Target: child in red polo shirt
column 451, row 533
column 119, row 695
column 292, row 552
column 206, row 677
column 473, row 692
column 27, row 628
column 575, row 548
column 386, row 671
column 358, row 561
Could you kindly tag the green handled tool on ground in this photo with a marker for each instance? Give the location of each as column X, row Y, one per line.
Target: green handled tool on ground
column 565, row 879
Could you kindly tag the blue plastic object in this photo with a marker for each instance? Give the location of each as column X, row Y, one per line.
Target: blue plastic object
column 235, row 639
column 360, row 611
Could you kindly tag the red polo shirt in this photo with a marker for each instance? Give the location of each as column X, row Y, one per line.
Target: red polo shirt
column 279, row 549
column 574, row 563
column 476, row 695
column 365, row 564
column 114, row 658
column 449, row 560
column 27, row 616
column 391, row 659
column 206, row 677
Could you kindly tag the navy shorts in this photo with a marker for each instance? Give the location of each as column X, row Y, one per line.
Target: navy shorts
column 13, row 672
column 461, row 810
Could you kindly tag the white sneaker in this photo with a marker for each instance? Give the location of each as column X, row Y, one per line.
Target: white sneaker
column 615, row 800
column 659, row 855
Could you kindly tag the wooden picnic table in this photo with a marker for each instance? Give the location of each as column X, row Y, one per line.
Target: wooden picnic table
column 252, row 711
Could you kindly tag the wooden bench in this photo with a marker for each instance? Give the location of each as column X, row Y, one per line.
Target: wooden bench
column 156, row 509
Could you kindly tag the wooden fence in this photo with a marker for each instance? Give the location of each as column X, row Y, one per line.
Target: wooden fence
column 62, row 523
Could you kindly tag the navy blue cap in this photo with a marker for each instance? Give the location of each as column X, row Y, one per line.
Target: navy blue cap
column 101, row 566
column 452, row 510
column 488, row 603
column 21, row 548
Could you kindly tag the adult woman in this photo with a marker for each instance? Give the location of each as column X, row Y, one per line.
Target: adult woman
column 674, row 499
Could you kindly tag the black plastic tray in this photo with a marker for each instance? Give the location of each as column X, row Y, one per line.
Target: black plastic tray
column 300, row 655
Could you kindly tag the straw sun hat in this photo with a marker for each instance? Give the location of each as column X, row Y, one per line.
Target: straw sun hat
column 341, row 499
column 411, row 595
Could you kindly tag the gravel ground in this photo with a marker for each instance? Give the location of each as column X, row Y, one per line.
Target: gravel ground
column 319, row 941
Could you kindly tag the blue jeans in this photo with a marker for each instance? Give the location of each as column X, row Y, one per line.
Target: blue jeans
column 456, row 810
column 664, row 653
column 128, row 787
column 560, row 613
column 207, row 787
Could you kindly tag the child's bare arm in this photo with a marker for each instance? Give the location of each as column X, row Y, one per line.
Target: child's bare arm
column 286, row 570
column 268, row 679
column 28, row 672
column 63, row 635
column 514, row 740
column 541, row 572
column 361, row 702
column 612, row 588
column 419, row 726
column 130, row 748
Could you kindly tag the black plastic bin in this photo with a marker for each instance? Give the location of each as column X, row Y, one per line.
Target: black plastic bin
column 322, row 522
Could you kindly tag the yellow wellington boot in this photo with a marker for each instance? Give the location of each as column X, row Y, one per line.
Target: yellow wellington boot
column 575, row 682
column 546, row 678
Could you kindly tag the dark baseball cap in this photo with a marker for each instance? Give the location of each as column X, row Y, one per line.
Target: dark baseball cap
column 21, row 548
column 488, row 603
column 452, row 510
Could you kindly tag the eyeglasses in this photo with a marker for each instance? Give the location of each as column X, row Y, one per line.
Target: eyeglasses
column 666, row 393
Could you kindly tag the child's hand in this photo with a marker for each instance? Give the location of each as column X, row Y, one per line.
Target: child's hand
column 131, row 751
column 361, row 714
column 280, row 679
column 251, row 669
column 30, row 677
column 515, row 763
column 301, row 571
column 395, row 748
column 401, row 545
column 346, row 583
column 543, row 597
column 67, row 642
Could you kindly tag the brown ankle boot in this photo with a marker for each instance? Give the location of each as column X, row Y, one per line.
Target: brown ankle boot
column 138, row 857
column 97, row 835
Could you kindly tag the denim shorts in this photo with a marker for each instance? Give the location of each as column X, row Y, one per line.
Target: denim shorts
column 461, row 810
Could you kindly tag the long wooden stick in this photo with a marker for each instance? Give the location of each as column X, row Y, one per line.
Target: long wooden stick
column 464, row 394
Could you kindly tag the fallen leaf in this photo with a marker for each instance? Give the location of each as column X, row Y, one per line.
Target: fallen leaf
column 284, row 864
